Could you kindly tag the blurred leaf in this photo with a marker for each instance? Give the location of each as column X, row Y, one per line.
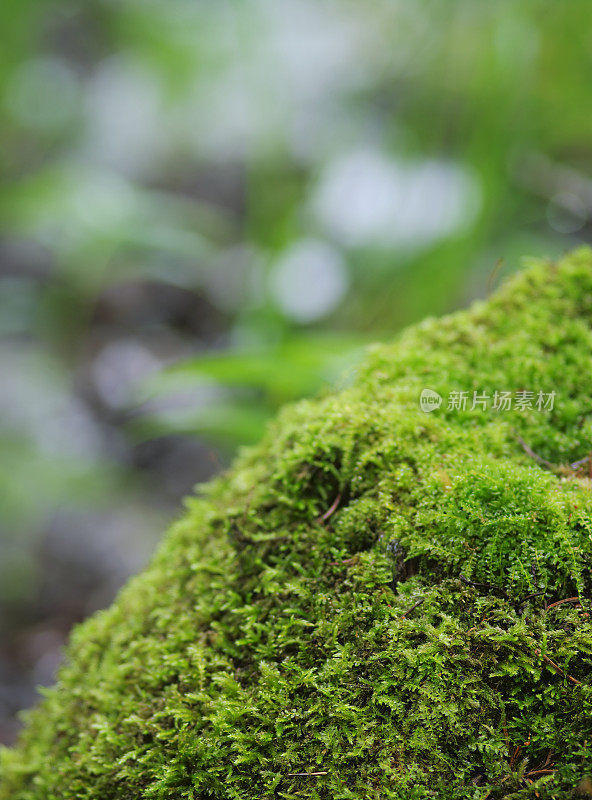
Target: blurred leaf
column 292, row 369
column 227, row 423
column 243, row 388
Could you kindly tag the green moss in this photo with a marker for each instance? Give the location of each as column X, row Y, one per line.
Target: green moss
column 397, row 647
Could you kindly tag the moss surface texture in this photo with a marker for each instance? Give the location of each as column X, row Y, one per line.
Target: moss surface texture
column 375, row 602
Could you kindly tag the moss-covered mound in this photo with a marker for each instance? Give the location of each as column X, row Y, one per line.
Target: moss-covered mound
column 376, row 602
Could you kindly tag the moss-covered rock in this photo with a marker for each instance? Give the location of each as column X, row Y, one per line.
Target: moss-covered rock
column 367, row 605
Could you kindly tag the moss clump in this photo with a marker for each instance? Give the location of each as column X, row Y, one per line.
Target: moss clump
column 367, row 597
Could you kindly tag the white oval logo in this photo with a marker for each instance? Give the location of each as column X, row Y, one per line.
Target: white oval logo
column 429, row 400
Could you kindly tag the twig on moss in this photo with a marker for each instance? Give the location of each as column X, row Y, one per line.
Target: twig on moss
column 556, row 667
column 487, row 586
column 560, row 602
column 546, row 768
column 515, row 756
column 306, row 774
column 331, row 510
column 413, row 607
column 345, row 561
column 531, row 596
column 493, row 274
column 505, row 730
column 535, row 456
column 521, row 601
column 577, row 464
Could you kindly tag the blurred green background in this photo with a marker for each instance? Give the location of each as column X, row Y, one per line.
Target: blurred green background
column 207, row 209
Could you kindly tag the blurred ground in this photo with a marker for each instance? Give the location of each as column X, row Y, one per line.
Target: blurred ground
column 206, row 209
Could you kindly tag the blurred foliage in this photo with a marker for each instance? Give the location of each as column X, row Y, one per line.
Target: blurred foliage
column 206, row 208
column 236, row 391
